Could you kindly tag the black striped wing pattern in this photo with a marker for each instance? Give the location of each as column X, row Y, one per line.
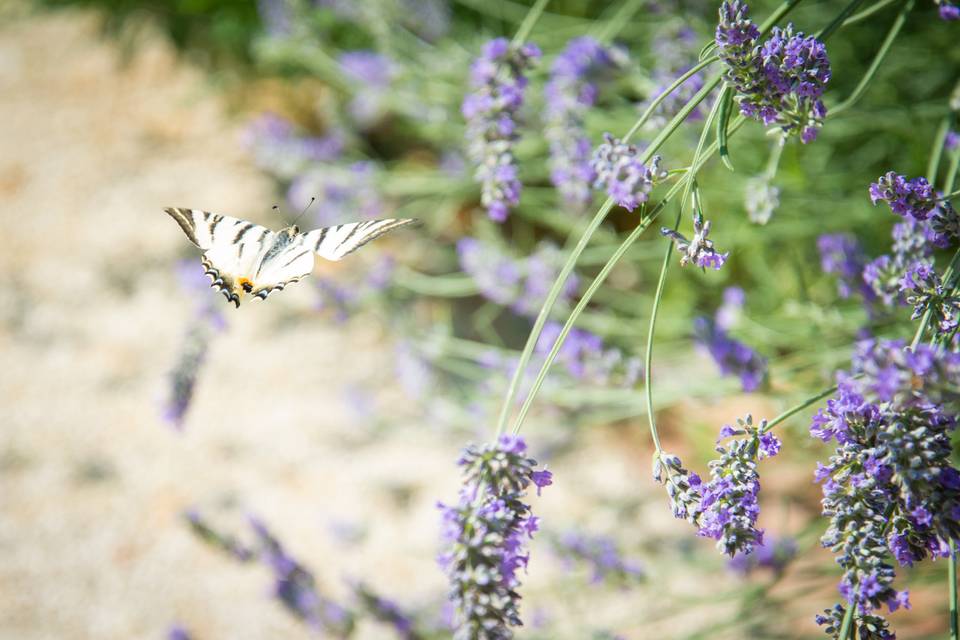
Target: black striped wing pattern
column 244, row 258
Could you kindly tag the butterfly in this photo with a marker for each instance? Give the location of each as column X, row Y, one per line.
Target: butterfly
column 244, row 258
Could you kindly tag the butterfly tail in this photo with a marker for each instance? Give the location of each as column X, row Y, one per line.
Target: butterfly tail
column 184, row 218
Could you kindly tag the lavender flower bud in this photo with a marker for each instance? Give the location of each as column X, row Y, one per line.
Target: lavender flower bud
column 905, row 197
column 865, row 626
column 618, row 170
column 922, row 288
column 498, row 80
column 700, row 249
column 947, row 10
column 683, row 487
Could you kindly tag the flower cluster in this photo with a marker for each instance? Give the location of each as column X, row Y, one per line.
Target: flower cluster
column 620, row 173
column 913, row 198
column 279, row 149
column 922, row 288
column 779, row 82
column 864, row 627
column 207, row 320
column 520, row 284
column 683, row 486
column 586, row 358
column 891, row 418
column 699, row 250
column 370, row 76
column 484, row 537
column 773, row 554
column 600, row 554
column 572, row 89
column 948, row 10
column 913, row 242
column 498, row 80
column 842, row 256
column 343, row 193
column 729, row 507
column 732, row 356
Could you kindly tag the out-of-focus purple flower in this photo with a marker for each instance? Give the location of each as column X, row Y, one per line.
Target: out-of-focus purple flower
column 520, row 284
column 674, row 48
column 905, row 197
column 729, row 507
column 484, row 538
column 385, row 610
column 178, row 632
column 600, row 554
column 370, row 75
column 773, row 553
column 207, row 321
column 572, row 90
column 586, row 358
column 947, row 10
column 619, row 171
column 728, row 314
column 498, row 80
column 732, row 356
column 841, row 255
column 699, row 250
column 279, row 149
column 951, row 141
column 344, row 194
column 779, row 82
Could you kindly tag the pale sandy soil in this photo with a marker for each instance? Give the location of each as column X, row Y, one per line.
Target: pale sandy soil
column 92, row 482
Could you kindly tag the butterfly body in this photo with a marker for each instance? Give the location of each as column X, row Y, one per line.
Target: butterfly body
column 243, row 258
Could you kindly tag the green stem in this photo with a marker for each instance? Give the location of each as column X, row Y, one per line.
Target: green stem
column 666, row 92
column 837, row 22
column 612, row 26
column 949, row 196
column 528, row 22
column 847, row 622
column 933, row 167
column 952, row 573
column 800, row 407
column 877, row 59
column 866, row 13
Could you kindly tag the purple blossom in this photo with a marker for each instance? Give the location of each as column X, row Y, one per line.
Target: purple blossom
column 674, row 49
column 732, row 356
column 484, row 537
column 729, row 505
column 779, row 82
column 683, row 487
column 947, row 10
column 913, row 198
column 178, row 632
column 773, row 553
column 951, row 141
column 728, row 314
column 279, row 149
column 841, row 255
column 619, row 171
column 343, row 193
column 370, row 75
column 700, row 250
column 575, row 80
column 600, row 554
column 498, row 82
column 922, row 288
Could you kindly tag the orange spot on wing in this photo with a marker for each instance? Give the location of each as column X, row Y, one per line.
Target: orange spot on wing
column 246, row 284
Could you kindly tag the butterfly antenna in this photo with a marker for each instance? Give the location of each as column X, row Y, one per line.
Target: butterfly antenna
column 312, row 200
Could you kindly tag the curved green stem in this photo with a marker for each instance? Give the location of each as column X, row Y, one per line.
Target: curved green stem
column 800, row 407
column 666, row 92
column 837, row 22
column 866, row 13
column 877, row 59
column 523, row 32
column 620, row 19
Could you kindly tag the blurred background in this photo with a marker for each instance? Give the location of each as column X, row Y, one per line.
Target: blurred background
column 145, row 421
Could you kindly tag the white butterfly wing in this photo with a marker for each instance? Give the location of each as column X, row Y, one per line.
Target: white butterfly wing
column 289, row 263
column 232, row 249
column 333, row 243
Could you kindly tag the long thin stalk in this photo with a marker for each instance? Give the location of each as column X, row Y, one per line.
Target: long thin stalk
column 933, row 167
column 952, row 573
column 877, row 59
column 800, row 407
column 612, row 26
column 523, row 32
column 866, row 13
column 847, row 622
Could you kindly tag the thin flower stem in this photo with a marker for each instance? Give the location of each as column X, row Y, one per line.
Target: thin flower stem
column 800, row 407
column 619, row 20
column 666, row 92
column 877, row 59
column 866, row 13
column 837, row 22
column 847, row 622
column 933, row 167
column 952, row 573
column 949, row 196
column 689, row 179
column 528, row 22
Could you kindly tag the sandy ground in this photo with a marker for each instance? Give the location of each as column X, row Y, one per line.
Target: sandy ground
column 92, row 482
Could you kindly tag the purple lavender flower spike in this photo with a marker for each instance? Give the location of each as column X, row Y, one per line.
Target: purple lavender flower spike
column 618, row 170
column 773, row 553
column 601, row 554
column 732, row 356
column 498, row 82
column 779, row 82
column 485, row 535
column 683, row 487
column 575, row 78
column 729, row 508
column 913, row 198
column 699, row 250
